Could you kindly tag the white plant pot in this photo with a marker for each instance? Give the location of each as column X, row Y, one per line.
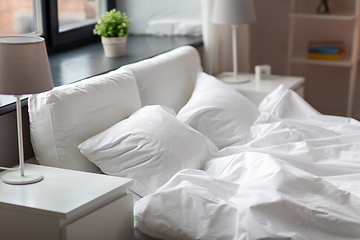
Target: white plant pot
column 114, row 47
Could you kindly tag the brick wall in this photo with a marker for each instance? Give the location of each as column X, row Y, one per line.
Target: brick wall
column 16, row 16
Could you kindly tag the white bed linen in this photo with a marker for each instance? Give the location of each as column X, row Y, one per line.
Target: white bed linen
column 298, row 179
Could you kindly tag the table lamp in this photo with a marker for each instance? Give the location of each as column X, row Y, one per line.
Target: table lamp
column 234, row 13
column 24, row 69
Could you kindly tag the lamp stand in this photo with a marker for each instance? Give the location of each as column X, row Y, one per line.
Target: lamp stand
column 19, row 176
column 233, row 77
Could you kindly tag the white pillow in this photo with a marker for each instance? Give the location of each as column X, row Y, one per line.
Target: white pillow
column 63, row 118
column 150, row 147
column 219, row 112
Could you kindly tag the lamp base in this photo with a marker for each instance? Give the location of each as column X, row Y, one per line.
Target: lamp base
column 228, row 77
column 14, row 177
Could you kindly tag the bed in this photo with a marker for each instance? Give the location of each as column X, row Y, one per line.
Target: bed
column 206, row 162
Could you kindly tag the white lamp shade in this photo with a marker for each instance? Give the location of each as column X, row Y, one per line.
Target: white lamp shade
column 233, row 12
column 24, row 65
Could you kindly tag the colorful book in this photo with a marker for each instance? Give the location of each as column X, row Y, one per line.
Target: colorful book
column 327, row 50
column 324, row 56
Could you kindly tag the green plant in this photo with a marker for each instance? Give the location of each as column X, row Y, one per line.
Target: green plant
column 113, row 24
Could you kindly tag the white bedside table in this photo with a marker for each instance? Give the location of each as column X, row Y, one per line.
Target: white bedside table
column 256, row 91
column 67, row 205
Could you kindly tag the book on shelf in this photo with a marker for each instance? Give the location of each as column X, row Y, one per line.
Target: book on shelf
column 325, row 50
column 328, row 50
column 324, row 56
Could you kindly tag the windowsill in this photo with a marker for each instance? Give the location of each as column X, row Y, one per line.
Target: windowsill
column 83, row 62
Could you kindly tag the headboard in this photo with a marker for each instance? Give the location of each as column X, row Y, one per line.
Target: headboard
column 66, row 116
column 167, row 79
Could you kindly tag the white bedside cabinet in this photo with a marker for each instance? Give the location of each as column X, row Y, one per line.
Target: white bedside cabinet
column 67, row 205
column 256, row 91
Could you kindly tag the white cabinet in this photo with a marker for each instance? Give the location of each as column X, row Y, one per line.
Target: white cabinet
column 67, row 205
column 304, row 27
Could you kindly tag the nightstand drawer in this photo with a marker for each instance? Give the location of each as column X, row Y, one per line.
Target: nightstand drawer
column 113, row 221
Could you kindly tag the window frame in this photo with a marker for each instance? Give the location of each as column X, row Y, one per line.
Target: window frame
column 57, row 40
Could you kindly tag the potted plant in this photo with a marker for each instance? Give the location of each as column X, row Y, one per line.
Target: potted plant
column 113, row 28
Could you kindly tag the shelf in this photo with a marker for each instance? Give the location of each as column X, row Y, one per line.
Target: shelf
column 345, row 62
column 347, row 16
column 303, row 13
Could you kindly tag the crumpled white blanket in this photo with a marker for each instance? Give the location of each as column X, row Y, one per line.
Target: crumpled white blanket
column 298, row 179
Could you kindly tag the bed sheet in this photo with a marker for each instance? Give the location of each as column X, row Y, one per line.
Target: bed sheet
column 299, row 178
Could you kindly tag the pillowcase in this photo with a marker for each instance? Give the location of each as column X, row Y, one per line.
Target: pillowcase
column 150, row 147
column 66, row 116
column 219, row 112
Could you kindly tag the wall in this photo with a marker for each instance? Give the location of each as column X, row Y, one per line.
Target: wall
column 269, row 35
column 8, row 139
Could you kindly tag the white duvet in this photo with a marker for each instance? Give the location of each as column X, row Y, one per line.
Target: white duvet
column 299, row 178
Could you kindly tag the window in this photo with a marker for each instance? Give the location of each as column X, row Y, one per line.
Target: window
column 163, row 18
column 77, row 13
column 60, row 22
column 72, row 21
column 20, row 17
